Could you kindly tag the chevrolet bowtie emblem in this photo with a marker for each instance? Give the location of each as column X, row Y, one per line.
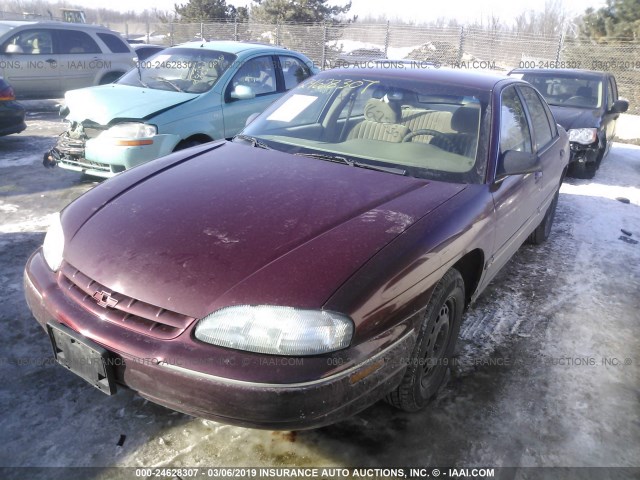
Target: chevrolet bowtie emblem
column 104, row 299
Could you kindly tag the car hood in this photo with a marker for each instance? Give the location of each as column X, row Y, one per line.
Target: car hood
column 240, row 225
column 105, row 103
column 572, row 117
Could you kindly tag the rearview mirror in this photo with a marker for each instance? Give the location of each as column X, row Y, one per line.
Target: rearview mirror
column 517, row 163
column 620, row 106
column 242, row 92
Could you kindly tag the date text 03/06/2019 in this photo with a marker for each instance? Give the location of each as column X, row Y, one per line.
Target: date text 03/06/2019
column 293, row 472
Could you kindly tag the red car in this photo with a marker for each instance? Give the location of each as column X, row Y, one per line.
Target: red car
column 318, row 263
column 11, row 112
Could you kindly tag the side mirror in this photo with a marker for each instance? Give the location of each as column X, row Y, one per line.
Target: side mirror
column 620, row 106
column 242, row 92
column 517, row 163
column 251, row 118
column 13, row 48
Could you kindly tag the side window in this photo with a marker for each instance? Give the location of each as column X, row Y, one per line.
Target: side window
column 514, row 130
column 30, row 42
column 540, row 122
column 76, row 42
column 611, row 94
column 258, row 73
column 614, row 86
column 294, row 71
column 115, row 44
column 550, row 118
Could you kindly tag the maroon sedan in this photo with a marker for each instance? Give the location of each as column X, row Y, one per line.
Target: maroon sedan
column 316, row 264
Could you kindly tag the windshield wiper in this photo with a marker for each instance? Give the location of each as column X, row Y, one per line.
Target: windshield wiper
column 352, row 163
column 324, row 156
column 140, row 76
column 253, row 141
column 142, row 83
column 164, row 80
column 380, row 168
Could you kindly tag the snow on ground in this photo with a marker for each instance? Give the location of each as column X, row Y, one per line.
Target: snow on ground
column 395, row 53
column 628, row 127
column 36, row 224
column 533, row 384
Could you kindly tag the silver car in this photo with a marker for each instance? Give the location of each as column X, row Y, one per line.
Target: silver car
column 45, row 59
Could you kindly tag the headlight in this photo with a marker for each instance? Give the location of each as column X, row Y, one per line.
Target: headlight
column 585, row 136
column 130, row 134
column 54, row 244
column 276, row 330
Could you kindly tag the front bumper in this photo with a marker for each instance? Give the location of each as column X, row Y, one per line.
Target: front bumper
column 144, row 368
column 584, row 153
column 102, row 158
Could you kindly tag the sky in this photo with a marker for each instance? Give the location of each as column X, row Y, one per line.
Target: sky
column 410, row 10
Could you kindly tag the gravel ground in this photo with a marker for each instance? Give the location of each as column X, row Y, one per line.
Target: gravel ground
column 547, row 370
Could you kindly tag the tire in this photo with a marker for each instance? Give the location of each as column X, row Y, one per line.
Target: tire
column 110, row 78
column 586, row 170
column 184, row 144
column 601, row 154
column 429, row 363
column 542, row 231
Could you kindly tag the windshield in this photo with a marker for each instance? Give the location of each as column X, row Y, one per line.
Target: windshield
column 566, row 91
column 188, row 70
column 426, row 130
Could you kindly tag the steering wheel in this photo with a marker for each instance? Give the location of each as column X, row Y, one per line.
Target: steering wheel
column 448, row 143
column 579, row 100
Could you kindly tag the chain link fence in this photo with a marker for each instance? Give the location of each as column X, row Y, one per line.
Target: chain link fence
column 467, row 48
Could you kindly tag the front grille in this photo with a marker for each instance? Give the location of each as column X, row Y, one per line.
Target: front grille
column 84, row 163
column 117, row 308
column 69, row 145
column 72, row 141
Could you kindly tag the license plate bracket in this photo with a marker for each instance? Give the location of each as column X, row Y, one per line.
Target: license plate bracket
column 83, row 357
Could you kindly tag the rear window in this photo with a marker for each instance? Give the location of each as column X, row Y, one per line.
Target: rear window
column 115, row 44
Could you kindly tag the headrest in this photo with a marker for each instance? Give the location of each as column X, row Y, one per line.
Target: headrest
column 379, row 111
column 466, row 120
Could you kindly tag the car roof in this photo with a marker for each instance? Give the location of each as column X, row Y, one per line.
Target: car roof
column 54, row 24
column 231, row 46
column 561, row 72
column 15, row 23
column 470, row 78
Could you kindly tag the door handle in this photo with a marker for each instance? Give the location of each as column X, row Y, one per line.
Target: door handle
column 50, row 61
column 537, row 176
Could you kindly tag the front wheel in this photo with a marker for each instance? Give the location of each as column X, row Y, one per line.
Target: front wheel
column 601, row 154
column 432, row 354
column 184, row 144
column 110, row 78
